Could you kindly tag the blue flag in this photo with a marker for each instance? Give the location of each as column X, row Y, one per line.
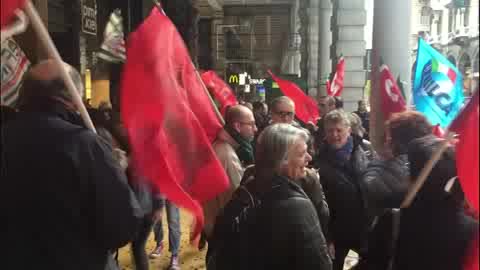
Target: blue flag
column 437, row 86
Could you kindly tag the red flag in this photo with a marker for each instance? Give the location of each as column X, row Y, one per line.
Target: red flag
column 336, row 88
column 471, row 260
column 7, row 10
column 220, row 90
column 306, row 108
column 169, row 117
column 466, row 125
column 392, row 98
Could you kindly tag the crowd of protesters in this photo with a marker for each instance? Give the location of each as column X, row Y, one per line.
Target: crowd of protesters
column 301, row 195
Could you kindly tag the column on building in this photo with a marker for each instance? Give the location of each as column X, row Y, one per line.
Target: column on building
column 348, row 40
column 218, row 45
column 391, row 36
column 313, row 45
column 324, row 44
column 291, row 59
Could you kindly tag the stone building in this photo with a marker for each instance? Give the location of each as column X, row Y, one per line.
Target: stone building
column 452, row 27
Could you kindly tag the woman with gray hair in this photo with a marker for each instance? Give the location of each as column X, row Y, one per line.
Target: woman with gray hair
column 270, row 223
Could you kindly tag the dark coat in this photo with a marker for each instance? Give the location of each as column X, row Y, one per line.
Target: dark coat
column 313, row 189
column 281, row 232
column 385, row 182
column 435, row 232
column 345, row 195
column 65, row 200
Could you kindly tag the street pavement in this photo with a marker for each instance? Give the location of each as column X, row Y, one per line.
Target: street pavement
column 190, row 257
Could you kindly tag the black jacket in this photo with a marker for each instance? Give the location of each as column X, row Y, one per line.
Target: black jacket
column 65, row 200
column 435, row 232
column 385, row 182
column 313, row 189
column 345, row 195
column 281, row 232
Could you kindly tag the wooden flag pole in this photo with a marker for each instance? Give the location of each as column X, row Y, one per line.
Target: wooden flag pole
column 52, row 52
column 417, row 185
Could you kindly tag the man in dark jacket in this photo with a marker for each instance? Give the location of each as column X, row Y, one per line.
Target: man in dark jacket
column 341, row 162
column 65, row 199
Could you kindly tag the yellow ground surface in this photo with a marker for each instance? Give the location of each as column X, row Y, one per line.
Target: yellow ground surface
column 190, row 257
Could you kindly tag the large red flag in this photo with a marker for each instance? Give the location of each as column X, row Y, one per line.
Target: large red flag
column 466, row 125
column 306, row 108
column 392, row 98
column 471, row 259
column 336, row 88
column 7, row 10
column 220, row 90
column 169, row 117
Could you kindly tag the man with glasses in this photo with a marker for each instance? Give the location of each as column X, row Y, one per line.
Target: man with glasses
column 234, row 150
column 283, row 110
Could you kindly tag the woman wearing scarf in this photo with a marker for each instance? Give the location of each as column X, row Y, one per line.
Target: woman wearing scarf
column 341, row 161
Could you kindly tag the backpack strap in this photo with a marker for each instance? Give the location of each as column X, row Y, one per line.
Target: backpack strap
column 395, row 234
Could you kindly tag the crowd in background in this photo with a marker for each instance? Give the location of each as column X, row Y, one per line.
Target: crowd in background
column 301, row 195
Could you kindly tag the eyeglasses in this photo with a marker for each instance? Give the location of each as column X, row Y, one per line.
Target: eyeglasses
column 285, row 114
column 251, row 124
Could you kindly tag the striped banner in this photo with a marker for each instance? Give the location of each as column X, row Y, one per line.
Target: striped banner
column 14, row 65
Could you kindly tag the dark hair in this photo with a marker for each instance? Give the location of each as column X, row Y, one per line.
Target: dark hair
column 258, row 105
column 338, row 102
column 405, row 127
column 7, row 114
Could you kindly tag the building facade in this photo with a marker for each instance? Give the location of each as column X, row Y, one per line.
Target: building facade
column 452, row 27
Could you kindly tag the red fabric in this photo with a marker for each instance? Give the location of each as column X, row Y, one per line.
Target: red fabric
column 438, row 131
column 169, row 117
column 471, row 260
column 7, row 10
column 336, row 88
column 392, row 98
column 466, row 125
column 219, row 90
column 306, row 108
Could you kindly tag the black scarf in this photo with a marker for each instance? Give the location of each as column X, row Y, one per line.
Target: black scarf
column 245, row 149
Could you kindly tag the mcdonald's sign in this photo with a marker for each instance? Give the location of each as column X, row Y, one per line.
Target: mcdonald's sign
column 233, row 78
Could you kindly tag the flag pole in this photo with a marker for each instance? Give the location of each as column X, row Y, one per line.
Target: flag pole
column 427, row 169
column 52, row 52
column 217, row 112
column 199, row 78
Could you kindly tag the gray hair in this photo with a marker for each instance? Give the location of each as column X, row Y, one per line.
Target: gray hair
column 337, row 116
column 44, row 80
column 356, row 124
column 273, row 146
column 281, row 100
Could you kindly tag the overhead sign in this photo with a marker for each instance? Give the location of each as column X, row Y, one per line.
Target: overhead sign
column 244, row 79
column 89, row 17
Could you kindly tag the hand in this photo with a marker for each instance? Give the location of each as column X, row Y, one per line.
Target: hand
column 121, row 157
column 19, row 26
column 331, row 250
column 157, row 215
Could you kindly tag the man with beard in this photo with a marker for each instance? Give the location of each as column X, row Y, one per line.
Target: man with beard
column 234, row 150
